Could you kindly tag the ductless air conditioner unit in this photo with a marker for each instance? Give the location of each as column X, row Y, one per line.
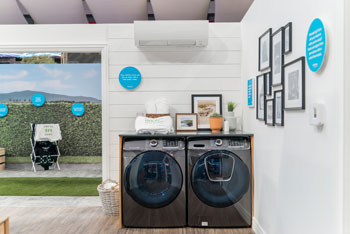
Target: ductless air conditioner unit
column 171, row 33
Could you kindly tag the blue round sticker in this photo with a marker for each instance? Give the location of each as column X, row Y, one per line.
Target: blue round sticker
column 3, row 110
column 130, row 77
column 78, row 109
column 38, row 99
column 316, row 45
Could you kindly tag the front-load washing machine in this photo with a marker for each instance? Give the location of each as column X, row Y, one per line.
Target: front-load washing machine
column 219, row 182
column 153, row 190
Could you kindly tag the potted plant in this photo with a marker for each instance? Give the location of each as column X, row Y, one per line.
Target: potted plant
column 215, row 121
column 230, row 115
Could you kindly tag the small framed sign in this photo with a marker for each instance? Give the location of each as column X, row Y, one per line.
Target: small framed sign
column 250, row 92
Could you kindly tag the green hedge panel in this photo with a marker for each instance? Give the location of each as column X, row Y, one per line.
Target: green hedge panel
column 82, row 136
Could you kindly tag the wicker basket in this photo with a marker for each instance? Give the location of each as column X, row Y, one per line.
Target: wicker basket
column 109, row 198
column 156, row 115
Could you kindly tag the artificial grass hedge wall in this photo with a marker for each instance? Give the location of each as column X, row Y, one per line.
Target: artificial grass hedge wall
column 81, row 136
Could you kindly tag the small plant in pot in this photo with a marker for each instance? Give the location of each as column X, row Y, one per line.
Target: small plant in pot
column 215, row 121
column 231, row 106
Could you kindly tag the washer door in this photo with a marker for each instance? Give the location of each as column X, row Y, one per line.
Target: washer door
column 220, row 178
column 153, row 179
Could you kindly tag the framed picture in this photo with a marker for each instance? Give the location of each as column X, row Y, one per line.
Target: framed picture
column 205, row 105
column 278, row 109
column 294, row 85
column 260, row 97
column 270, row 120
column 186, row 122
column 277, row 57
column 288, row 38
column 265, row 50
column 268, row 88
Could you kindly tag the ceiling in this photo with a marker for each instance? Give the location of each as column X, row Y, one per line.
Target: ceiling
column 119, row 11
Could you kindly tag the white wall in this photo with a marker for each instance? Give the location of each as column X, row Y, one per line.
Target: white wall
column 298, row 169
column 173, row 73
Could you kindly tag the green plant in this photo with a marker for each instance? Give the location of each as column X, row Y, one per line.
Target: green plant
column 81, row 136
column 231, row 106
column 216, row 115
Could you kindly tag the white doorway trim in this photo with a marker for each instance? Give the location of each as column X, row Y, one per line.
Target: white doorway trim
column 103, row 49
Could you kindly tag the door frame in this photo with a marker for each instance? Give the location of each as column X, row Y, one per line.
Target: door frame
column 101, row 48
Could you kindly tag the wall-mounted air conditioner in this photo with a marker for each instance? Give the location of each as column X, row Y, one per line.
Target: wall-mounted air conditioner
column 171, row 33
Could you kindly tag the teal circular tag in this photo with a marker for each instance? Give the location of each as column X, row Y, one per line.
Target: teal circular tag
column 78, row 109
column 130, row 78
column 316, row 45
column 3, row 110
column 38, row 99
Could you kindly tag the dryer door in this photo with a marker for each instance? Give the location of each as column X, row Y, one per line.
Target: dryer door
column 153, row 179
column 220, row 178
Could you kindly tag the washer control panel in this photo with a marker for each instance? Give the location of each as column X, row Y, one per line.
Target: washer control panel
column 230, row 143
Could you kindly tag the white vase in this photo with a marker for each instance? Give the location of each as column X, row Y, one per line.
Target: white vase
column 230, row 117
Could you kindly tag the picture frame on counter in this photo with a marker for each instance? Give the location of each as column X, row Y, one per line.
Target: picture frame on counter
column 205, row 105
column 277, row 57
column 185, row 122
column 265, row 50
column 269, row 119
column 260, row 97
column 288, row 38
column 294, row 85
column 268, row 85
column 278, row 108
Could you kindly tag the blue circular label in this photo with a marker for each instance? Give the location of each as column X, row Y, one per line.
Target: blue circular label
column 3, row 110
column 130, row 77
column 78, row 109
column 38, row 99
column 316, row 45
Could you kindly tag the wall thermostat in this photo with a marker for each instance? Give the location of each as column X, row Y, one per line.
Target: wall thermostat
column 317, row 114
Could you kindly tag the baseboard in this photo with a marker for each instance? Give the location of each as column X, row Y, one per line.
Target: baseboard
column 257, row 227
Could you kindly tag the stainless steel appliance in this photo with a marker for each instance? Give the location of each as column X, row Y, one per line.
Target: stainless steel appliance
column 153, row 191
column 219, row 182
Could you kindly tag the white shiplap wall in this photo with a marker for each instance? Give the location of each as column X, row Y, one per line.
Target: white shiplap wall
column 170, row 72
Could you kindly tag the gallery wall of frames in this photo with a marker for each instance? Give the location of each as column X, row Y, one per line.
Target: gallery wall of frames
column 280, row 86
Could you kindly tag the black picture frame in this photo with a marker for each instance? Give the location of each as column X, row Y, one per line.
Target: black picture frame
column 287, row 92
column 259, row 101
column 268, row 84
column 275, row 107
column 265, row 34
column 272, row 123
column 288, row 33
column 279, row 32
column 194, row 96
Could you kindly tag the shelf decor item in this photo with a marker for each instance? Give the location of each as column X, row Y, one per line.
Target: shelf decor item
column 277, row 57
column 278, row 109
column 265, row 50
column 230, row 115
column 269, row 120
column 216, row 122
column 205, row 105
column 186, row 122
column 288, row 38
column 260, row 97
column 294, row 85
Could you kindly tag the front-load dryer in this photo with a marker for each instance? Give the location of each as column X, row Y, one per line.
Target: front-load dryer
column 153, row 190
column 219, row 182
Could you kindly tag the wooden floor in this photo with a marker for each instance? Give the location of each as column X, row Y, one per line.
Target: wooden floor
column 81, row 220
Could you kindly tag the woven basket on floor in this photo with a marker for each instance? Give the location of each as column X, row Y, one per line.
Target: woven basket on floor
column 109, row 198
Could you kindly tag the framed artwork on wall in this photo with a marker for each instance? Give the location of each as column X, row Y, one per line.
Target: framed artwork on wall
column 268, row 88
column 265, row 50
column 277, row 57
column 205, row 105
column 278, row 109
column 294, row 85
column 288, row 38
column 269, row 107
column 260, row 97
column 186, row 122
